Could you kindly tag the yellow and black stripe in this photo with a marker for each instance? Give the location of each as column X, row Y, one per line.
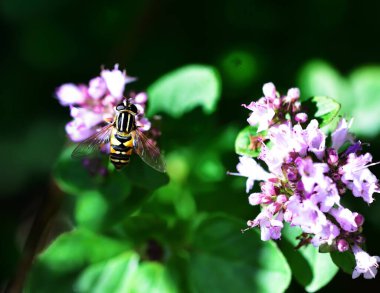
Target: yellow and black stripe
column 121, row 148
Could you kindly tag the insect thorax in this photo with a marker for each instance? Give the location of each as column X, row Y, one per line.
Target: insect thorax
column 125, row 122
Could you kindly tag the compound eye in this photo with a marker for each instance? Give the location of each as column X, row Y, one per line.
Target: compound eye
column 120, row 107
column 133, row 108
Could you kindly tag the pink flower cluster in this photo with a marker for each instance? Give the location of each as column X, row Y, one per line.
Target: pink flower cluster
column 91, row 104
column 306, row 175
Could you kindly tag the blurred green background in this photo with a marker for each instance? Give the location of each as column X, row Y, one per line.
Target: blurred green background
column 323, row 47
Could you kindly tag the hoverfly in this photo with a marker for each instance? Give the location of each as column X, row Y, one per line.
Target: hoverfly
column 124, row 138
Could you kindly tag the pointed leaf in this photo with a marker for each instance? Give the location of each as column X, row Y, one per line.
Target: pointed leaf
column 152, row 277
column 113, row 275
column 183, row 89
column 78, row 248
column 318, row 77
column 366, row 95
column 314, row 270
column 327, row 109
column 225, row 260
column 344, row 260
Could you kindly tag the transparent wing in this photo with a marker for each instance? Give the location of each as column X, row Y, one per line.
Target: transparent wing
column 93, row 144
column 148, row 152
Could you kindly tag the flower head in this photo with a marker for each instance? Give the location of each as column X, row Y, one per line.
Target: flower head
column 307, row 177
column 91, row 104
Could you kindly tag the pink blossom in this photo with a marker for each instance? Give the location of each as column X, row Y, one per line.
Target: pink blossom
column 269, row 90
column 116, row 80
column 270, row 227
column 307, row 180
column 359, row 178
column 293, row 94
column 262, row 114
column 86, row 117
column 341, row 134
column 326, row 195
column 249, row 168
column 315, row 139
column 301, row 117
column 91, row 105
column 77, row 131
column 305, row 214
column 365, row 264
column 327, row 235
column 97, row 88
column 70, row 94
column 312, row 173
column 342, row 245
column 345, row 218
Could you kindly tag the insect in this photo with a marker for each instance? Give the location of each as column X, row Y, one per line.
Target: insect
column 124, row 138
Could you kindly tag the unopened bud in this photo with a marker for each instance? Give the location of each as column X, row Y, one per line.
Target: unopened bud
column 332, row 156
column 293, row 94
column 269, row 90
column 342, row 245
column 359, row 220
column 301, row 117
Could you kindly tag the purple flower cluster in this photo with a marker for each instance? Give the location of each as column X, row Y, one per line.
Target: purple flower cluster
column 90, row 105
column 307, row 174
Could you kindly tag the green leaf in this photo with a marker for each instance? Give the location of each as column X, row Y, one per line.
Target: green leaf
column 344, row 260
column 113, row 275
column 183, row 89
column 327, row 109
column 152, row 277
column 125, row 273
column 223, row 259
column 312, row 269
column 71, row 176
column 366, row 95
column 246, row 143
column 104, row 200
column 318, row 78
column 78, row 248
column 359, row 95
column 143, row 176
column 91, row 209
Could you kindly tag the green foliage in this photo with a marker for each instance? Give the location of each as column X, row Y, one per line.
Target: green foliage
column 318, row 78
column 220, row 255
column 366, row 96
column 358, row 93
column 327, row 109
column 311, row 269
column 240, row 68
column 344, row 260
column 78, row 248
column 104, row 201
column 123, row 273
column 214, row 253
column 183, row 89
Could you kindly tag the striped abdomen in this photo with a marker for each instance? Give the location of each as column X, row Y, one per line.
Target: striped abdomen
column 121, row 148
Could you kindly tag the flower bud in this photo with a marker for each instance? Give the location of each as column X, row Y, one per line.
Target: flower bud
column 359, row 220
column 332, row 156
column 269, row 90
column 342, row 245
column 301, row 117
column 360, row 239
column 250, row 223
column 293, row 94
